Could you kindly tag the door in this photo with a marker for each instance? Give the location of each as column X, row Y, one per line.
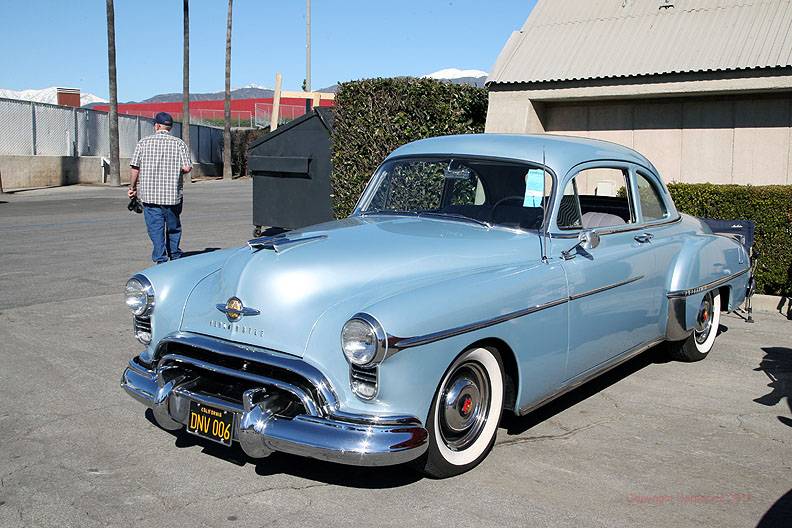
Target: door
column 612, row 296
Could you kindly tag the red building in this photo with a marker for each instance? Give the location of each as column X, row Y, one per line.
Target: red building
column 244, row 112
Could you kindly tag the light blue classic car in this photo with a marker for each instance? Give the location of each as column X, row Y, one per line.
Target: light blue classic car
column 477, row 274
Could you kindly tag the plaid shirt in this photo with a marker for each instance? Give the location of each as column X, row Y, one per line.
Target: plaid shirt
column 160, row 158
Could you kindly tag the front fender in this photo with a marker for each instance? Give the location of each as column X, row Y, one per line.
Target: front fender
column 409, row 378
column 172, row 284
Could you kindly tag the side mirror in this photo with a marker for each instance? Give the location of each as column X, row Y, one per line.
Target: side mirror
column 587, row 239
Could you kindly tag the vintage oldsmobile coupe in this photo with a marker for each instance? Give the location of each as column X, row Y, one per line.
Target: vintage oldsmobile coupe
column 478, row 274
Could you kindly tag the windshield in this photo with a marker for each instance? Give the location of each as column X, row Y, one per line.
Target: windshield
column 482, row 191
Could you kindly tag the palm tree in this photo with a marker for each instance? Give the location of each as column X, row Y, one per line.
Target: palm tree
column 115, row 166
column 186, row 77
column 227, row 174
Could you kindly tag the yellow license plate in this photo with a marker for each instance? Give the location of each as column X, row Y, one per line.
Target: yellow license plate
column 211, row 422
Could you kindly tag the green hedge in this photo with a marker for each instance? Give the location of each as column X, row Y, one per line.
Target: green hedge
column 770, row 207
column 374, row 116
column 241, row 138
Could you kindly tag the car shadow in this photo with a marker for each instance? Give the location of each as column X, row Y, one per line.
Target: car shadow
column 516, row 425
column 397, row 476
column 316, row 470
column 779, row 514
column 777, row 365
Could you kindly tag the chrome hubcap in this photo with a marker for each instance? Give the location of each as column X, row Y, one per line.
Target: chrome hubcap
column 464, row 406
column 704, row 320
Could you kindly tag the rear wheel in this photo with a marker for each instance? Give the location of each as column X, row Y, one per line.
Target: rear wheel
column 700, row 342
column 463, row 419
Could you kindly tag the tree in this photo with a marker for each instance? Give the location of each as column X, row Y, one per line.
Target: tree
column 186, row 77
column 115, row 164
column 227, row 174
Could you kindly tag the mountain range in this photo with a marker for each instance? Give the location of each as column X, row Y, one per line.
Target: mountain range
column 251, row 91
column 47, row 95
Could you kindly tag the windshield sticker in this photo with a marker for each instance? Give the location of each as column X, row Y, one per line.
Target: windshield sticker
column 534, row 188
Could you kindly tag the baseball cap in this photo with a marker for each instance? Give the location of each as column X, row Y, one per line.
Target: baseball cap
column 163, row 118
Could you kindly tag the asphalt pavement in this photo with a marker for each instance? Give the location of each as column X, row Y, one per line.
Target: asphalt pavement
column 653, row 443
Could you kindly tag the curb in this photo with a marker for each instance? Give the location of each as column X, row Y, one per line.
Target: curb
column 771, row 303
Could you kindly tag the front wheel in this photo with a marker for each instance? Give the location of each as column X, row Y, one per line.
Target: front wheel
column 700, row 342
column 463, row 420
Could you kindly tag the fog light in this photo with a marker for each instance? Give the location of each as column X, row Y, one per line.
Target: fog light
column 143, row 336
column 364, row 390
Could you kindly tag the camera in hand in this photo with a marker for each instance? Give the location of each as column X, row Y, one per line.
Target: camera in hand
column 135, row 205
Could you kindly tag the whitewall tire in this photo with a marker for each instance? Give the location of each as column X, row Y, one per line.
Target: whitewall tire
column 465, row 412
column 699, row 344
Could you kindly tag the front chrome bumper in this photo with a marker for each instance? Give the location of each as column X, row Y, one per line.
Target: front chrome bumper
column 363, row 440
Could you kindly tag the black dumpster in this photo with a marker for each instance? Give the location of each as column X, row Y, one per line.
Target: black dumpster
column 291, row 173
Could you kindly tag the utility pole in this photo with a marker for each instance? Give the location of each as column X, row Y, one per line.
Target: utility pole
column 186, row 75
column 115, row 164
column 307, row 52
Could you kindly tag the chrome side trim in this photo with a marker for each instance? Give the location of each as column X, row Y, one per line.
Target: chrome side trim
column 258, row 355
column 589, row 375
column 704, row 287
column 613, row 230
column 400, row 343
column 605, row 288
column 409, row 342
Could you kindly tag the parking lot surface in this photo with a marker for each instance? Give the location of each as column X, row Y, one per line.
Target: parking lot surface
column 653, row 443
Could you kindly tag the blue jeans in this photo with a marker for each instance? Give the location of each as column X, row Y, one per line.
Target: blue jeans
column 164, row 230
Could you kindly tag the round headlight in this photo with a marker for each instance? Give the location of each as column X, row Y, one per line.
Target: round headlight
column 363, row 340
column 139, row 295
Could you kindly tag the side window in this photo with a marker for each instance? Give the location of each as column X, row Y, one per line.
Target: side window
column 596, row 198
column 652, row 205
column 467, row 191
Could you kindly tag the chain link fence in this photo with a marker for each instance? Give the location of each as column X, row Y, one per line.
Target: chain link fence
column 40, row 129
column 286, row 113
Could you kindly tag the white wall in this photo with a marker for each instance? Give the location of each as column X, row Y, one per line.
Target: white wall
column 718, row 139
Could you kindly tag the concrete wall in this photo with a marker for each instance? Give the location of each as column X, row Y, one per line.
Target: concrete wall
column 29, row 172
column 719, row 139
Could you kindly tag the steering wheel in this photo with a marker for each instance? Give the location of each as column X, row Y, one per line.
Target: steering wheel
column 501, row 201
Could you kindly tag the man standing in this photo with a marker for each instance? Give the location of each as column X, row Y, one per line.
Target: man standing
column 156, row 179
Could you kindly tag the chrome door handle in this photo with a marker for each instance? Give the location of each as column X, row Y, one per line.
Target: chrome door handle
column 644, row 238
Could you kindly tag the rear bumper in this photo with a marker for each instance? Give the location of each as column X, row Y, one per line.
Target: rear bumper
column 364, row 440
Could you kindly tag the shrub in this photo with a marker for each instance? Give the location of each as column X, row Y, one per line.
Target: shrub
column 770, row 207
column 375, row 116
column 241, row 138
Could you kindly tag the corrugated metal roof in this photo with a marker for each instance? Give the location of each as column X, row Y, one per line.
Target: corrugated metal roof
column 566, row 40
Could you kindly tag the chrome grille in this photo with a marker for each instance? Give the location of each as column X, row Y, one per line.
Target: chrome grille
column 142, row 323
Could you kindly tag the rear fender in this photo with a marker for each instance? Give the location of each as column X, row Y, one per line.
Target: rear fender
column 704, row 263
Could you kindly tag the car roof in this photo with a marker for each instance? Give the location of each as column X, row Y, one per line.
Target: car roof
column 560, row 153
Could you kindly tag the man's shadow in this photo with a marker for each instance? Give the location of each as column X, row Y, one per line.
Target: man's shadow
column 199, row 252
column 777, row 365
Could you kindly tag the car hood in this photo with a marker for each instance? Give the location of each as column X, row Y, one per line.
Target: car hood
column 292, row 282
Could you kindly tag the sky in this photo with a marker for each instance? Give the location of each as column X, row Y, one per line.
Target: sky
column 64, row 43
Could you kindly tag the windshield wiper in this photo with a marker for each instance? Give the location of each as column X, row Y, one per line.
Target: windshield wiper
column 455, row 216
